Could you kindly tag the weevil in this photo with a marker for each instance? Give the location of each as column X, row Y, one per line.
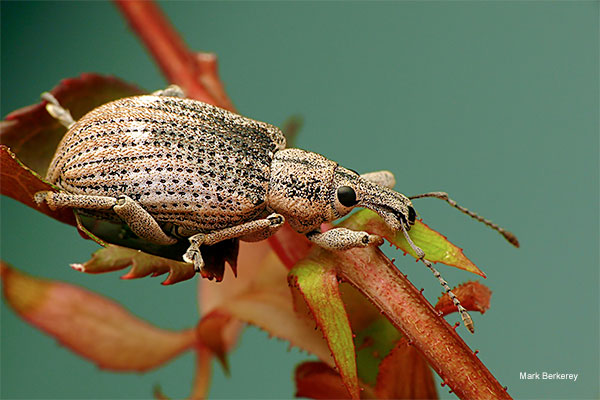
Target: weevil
column 172, row 168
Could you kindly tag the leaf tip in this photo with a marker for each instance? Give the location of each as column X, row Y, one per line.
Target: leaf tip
column 169, row 281
column 78, row 267
column 128, row 275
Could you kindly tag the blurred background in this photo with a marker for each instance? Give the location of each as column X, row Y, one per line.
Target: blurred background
column 494, row 102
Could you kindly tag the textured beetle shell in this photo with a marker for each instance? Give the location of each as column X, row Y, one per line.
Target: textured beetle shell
column 186, row 162
column 300, row 188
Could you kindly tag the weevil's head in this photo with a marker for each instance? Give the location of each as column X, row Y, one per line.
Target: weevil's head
column 309, row 189
column 353, row 190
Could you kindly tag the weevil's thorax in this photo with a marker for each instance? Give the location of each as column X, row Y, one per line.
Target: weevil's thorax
column 300, row 188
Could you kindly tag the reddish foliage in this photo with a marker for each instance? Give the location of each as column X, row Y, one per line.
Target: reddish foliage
column 34, row 135
column 473, row 296
column 92, row 326
column 317, row 380
column 404, row 374
column 20, row 183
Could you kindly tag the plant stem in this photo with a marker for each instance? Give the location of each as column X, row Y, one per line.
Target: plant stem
column 379, row 280
column 196, row 73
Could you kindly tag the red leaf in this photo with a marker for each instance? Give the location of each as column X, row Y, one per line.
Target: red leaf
column 113, row 258
column 404, row 374
column 92, row 326
column 21, row 183
column 317, row 380
column 473, row 296
column 260, row 296
column 213, row 333
column 34, row 135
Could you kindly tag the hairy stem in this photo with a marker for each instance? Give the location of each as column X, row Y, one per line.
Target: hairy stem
column 373, row 274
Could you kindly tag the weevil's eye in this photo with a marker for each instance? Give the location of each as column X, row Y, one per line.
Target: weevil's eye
column 411, row 215
column 346, row 196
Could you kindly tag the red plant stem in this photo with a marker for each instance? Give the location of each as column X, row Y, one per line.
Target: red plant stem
column 380, row 281
column 168, row 49
column 208, row 75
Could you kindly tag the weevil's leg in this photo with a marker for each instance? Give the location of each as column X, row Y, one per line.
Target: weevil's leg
column 383, row 178
column 57, row 111
column 343, row 239
column 253, row 230
column 171, row 91
column 276, row 220
column 138, row 219
column 421, row 255
column 57, row 200
column 141, row 222
column 444, row 196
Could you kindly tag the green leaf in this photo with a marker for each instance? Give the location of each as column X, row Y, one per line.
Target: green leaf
column 372, row 345
column 318, row 286
column 437, row 247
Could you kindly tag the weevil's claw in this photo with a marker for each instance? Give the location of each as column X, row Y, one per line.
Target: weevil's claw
column 40, row 197
column 193, row 255
column 276, row 220
column 372, row 240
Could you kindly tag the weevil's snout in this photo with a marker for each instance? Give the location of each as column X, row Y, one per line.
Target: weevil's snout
column 395, row 208
column 351, row 190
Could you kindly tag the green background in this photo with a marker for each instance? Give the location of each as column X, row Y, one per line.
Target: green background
column 493, row 102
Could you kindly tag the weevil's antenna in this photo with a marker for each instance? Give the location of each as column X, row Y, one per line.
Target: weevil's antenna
column 57, row 111
column 444, row 196
column 421, row 255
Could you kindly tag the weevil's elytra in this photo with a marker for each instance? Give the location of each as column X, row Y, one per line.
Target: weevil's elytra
column 171, row 167
column 176, row 157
